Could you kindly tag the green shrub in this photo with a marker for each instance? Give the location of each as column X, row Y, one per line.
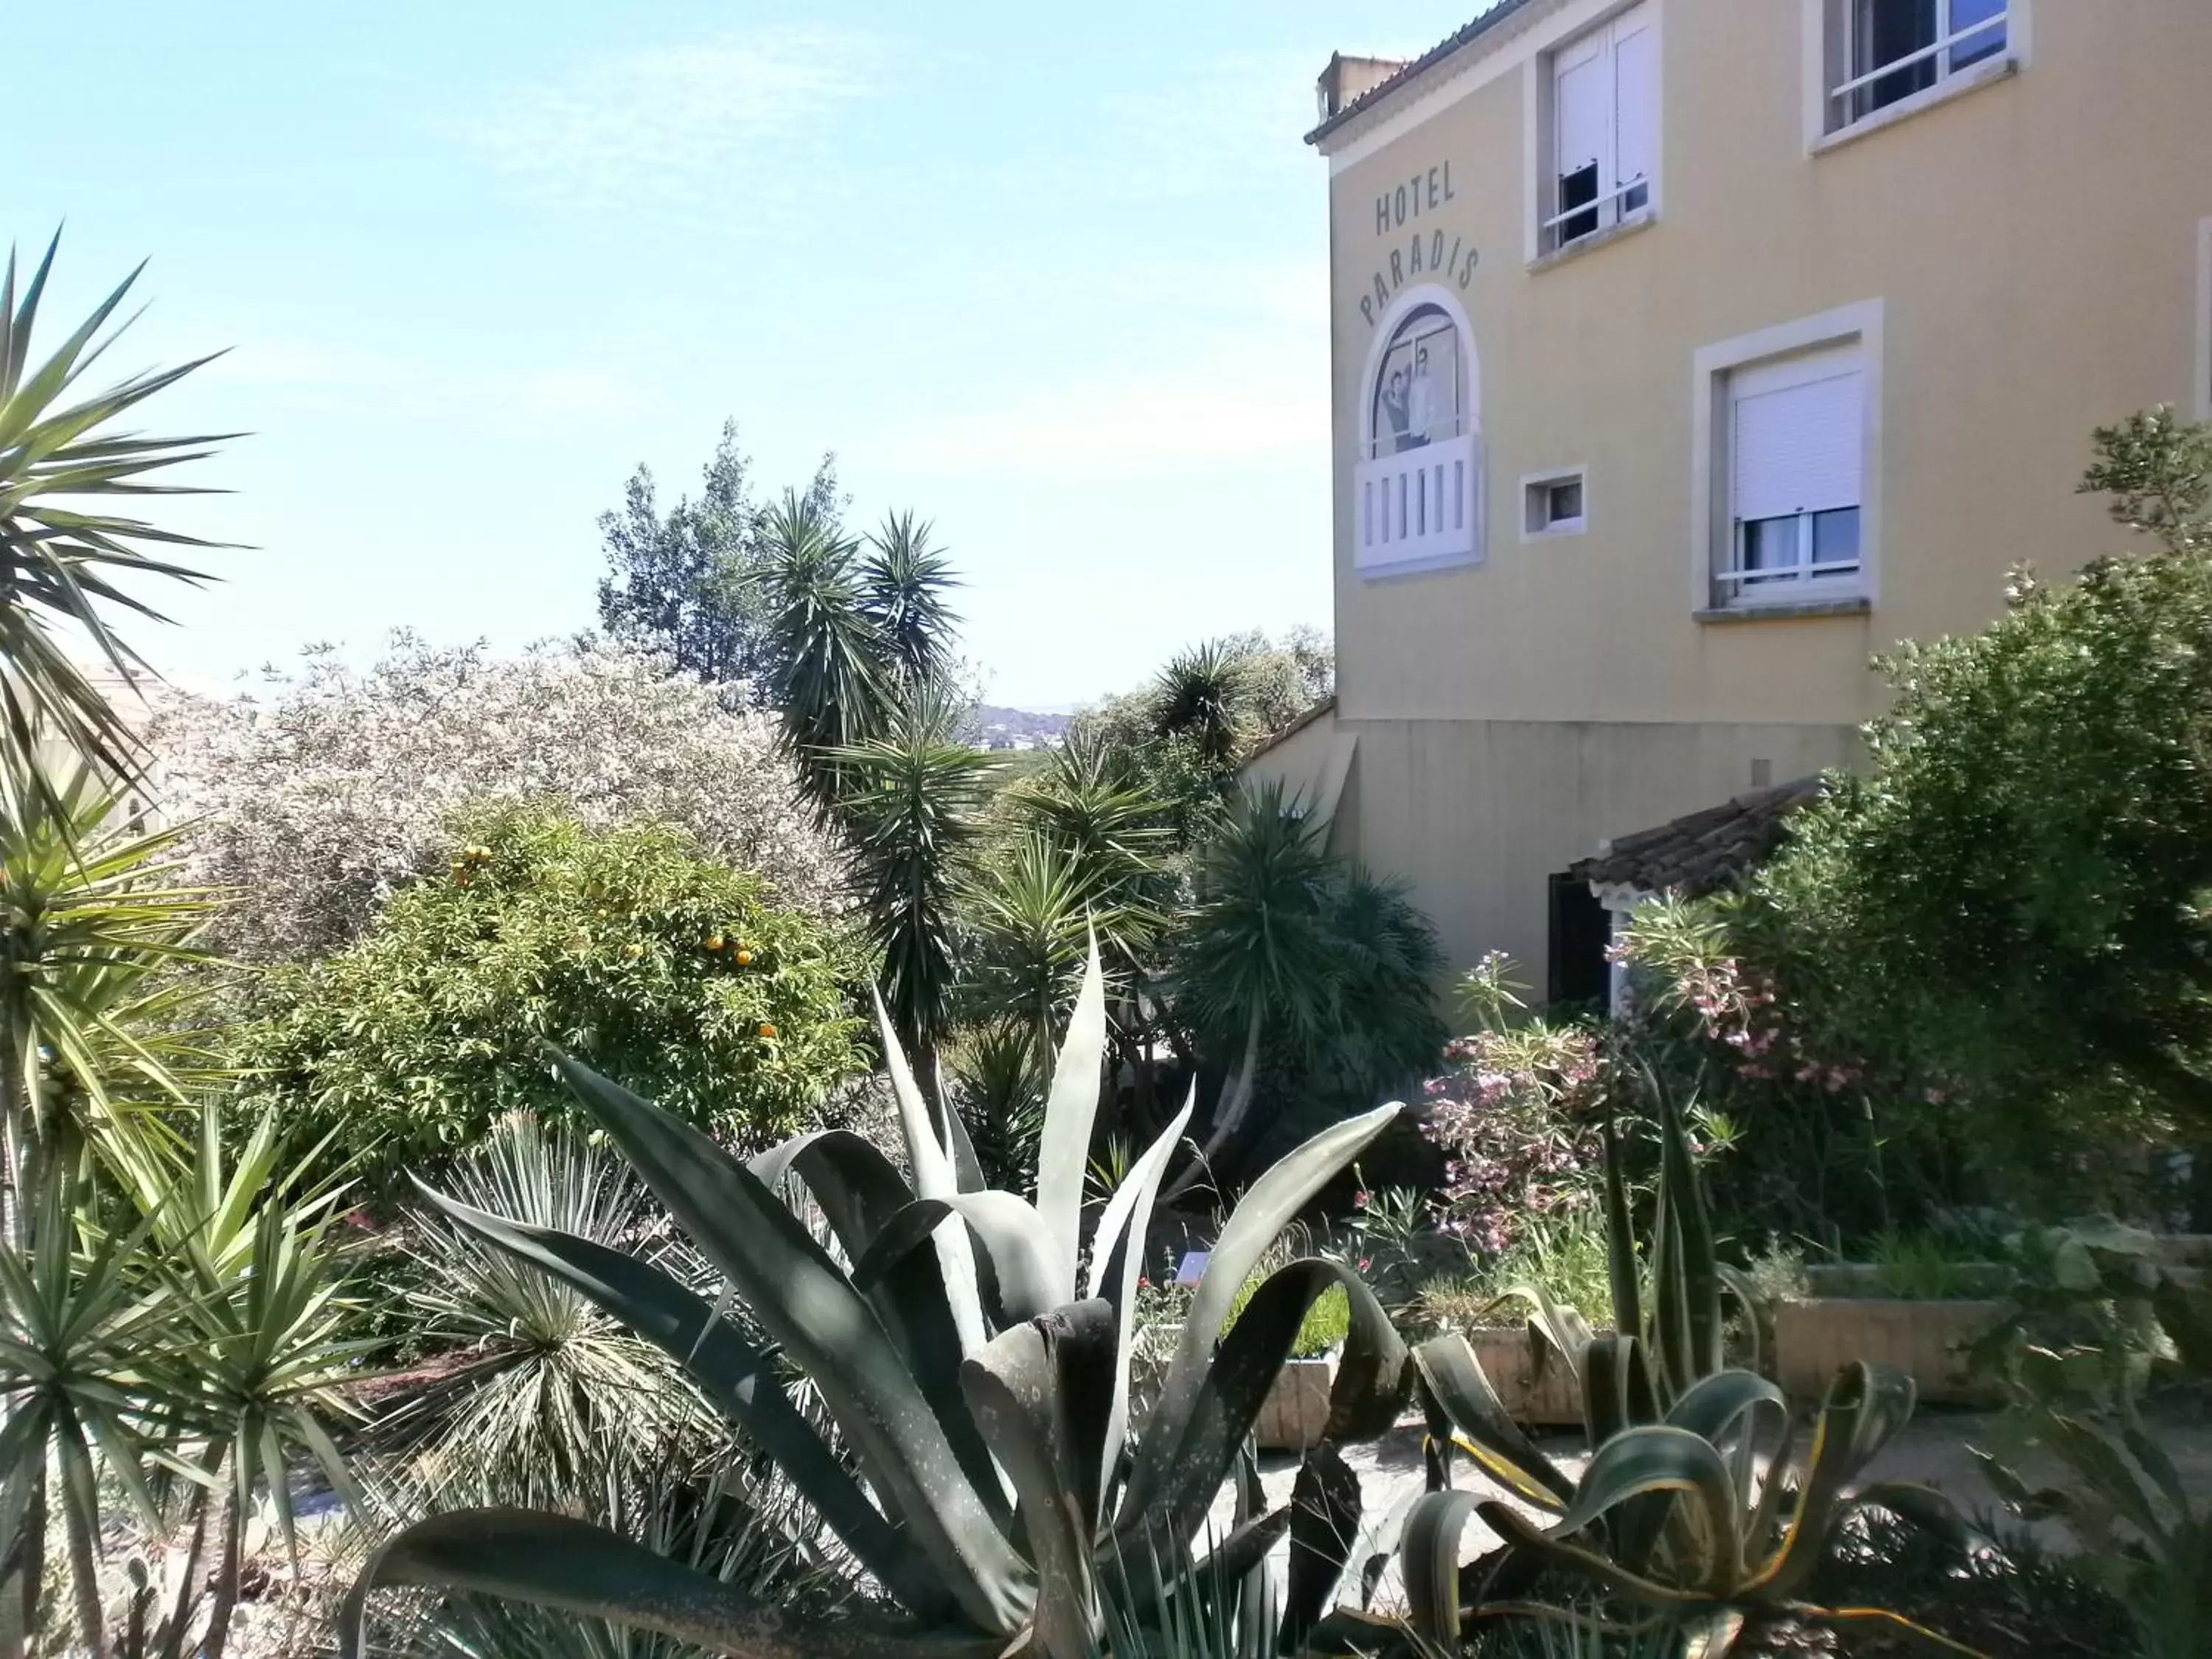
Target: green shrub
column 1931, row 1267
column 2010, row 902
column 626, row 945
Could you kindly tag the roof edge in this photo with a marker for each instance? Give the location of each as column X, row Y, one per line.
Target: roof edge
column 1321, row 710
column 1450, row 46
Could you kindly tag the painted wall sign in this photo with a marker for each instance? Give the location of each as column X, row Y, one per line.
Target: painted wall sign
column 1435, row 253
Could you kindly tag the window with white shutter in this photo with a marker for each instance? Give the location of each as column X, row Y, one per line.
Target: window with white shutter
column 1602, row 142
column 1796, row 470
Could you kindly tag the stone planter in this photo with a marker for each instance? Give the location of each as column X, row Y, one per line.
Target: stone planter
column 1545, row 1397
column 1816, row 1337
column 1296, row 1410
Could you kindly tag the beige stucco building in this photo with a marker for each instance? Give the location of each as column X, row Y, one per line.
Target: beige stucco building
column 1688, row 352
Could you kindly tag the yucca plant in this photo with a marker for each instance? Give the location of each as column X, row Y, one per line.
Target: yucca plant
column 83, row 1336
column 973, row 1349
column 62, row 567
column 260, row 1337
column 555, row 1394
column 93, row 1020
column 911, row 804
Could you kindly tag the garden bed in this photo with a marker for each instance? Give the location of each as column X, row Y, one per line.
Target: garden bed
column 1816, row 1336
column 1535, row 1385
column 1296, row 1410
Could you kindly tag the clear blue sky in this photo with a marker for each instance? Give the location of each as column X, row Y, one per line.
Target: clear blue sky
column 1051, row 276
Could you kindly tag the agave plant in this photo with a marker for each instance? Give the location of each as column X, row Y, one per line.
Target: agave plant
column 1669, row 1324
column 973, row 1351
column 1701, row 1518
column 1687, row 1506
column 2143, row 1535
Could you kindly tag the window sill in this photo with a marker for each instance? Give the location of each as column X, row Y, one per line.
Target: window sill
column 1858, row 606
column 1972, row 80
column 1558, row 533
column 1435, row 564
column 1642, row 219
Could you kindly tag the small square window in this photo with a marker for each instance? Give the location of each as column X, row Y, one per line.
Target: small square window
column 1554, row 504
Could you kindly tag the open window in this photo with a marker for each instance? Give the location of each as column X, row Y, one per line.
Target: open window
column 1418, row 483
column 1601, row 142
column 1881, row 53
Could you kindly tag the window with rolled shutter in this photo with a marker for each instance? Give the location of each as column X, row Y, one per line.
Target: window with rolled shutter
column 1797, row 474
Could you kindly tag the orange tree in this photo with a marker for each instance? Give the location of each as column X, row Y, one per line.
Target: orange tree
column 626, row 944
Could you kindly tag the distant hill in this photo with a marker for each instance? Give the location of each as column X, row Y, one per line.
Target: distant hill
column 1017, row 728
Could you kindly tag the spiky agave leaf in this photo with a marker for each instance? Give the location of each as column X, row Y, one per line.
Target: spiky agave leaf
column 1049, row 1392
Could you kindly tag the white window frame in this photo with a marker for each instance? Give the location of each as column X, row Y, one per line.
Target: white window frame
column 1547, row 219
column 1827, row 59
column 1536, row 524
column 2202, row 400
column 1711, row 482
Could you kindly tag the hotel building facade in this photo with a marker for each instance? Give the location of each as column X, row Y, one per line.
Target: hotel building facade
column 1687, row 353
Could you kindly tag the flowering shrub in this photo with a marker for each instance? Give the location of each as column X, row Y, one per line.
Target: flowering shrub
column 1687, row 965
column 318, row 799
column 1517, row 1112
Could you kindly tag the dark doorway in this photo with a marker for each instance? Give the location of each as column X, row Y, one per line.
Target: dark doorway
column 1581, row 929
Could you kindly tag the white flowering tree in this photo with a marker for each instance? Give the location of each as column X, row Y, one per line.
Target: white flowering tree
column 319, row 794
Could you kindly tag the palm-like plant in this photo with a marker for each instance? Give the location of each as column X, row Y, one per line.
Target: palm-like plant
column 557, row 1396
column 61, row 565
column 92, row 1021
column 951, row 1342
column 263, row 1338
column 828, row 679
column 999, row 1089
column 1261, row 950
column 81, row 1337
column 912, row 806
column 1029, row 914
column 1200, row 695
column 1388, row 961
column 903, row 580
column 1088, row 804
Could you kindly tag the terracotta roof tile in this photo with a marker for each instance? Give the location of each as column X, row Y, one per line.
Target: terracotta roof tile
column 1704, row 851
